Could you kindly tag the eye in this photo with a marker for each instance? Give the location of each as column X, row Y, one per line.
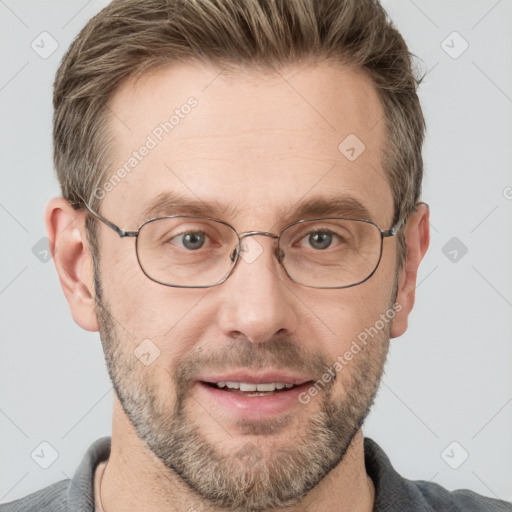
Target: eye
column 191, row 240
column 320, row 239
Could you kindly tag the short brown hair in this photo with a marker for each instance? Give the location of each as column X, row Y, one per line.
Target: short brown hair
column 130, row 37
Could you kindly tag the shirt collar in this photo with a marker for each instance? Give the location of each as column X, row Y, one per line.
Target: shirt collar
column 392, row 491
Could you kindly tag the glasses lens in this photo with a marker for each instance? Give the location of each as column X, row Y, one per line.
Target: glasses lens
column 186, row 251
column 330, row 253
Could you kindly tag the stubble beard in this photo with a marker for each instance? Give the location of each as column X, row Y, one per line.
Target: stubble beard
column 261, row 474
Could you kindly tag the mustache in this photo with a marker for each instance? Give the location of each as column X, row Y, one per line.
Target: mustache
column 279, row 353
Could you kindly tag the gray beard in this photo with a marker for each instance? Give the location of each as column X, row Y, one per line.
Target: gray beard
column 262, row 474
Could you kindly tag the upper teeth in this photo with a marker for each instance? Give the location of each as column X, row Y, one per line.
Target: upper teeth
column 244, row 386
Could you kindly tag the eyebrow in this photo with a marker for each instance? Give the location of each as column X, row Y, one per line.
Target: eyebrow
column 171, row 203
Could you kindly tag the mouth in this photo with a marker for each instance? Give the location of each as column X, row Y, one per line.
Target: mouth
column 250, row 389
column 254, row 397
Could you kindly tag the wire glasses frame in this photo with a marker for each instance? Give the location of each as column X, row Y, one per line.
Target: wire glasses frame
column 235, row 255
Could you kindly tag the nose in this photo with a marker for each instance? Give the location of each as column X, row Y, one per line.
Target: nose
column 257, row 301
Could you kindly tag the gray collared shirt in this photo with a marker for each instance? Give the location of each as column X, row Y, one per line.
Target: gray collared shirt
column 393, row 493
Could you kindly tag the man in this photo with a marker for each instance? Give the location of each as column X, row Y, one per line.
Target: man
column 232, row 237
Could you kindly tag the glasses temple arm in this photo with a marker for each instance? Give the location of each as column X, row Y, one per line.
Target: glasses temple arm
column 396, row 228
column 121, row 232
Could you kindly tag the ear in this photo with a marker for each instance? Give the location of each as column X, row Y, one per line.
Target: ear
column 68, row 242
column 417, row 239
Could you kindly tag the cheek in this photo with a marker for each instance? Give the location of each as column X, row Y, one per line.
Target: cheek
column 333, row 321
column 358, row 350
column 142, row 307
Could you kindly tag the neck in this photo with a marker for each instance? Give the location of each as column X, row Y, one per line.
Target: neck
column 135, row 479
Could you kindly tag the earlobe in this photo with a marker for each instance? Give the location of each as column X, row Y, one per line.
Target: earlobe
column 66, row 231
column 417, row 238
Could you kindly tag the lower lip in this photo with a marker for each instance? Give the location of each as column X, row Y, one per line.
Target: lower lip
column 251, row 407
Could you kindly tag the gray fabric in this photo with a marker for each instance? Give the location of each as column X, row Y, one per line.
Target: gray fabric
column 75, row 495
column 392, row 492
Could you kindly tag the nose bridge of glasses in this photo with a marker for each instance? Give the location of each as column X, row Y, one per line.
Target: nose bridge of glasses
column 252, row 233
column 246, row 234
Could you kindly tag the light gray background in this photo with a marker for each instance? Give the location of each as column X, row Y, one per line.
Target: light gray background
column 448, row 378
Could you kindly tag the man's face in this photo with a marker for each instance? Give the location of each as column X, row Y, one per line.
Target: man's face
column 256, row 148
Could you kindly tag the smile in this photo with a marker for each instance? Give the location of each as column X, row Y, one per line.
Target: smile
column 253, row 400
column 261, row 389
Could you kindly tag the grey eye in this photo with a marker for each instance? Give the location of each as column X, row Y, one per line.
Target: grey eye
column 193, row 240
column 320, row 239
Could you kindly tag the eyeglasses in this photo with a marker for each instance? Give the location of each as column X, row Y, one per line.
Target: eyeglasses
column 200, row 252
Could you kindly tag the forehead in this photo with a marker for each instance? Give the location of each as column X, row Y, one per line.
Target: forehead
column 254, row 146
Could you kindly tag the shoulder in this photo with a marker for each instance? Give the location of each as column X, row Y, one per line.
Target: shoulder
column 462, row 500
column 75, row 495
column 395, row 493
column 49, row 499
